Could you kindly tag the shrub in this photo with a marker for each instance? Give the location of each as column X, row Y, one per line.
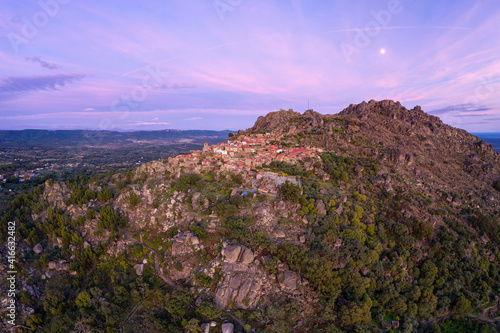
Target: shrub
column 178, row 301
column 80, row 220
column 178, row 266
column 239, row 228
column 226, row 210
column 110, row 219
column 208, row 310
column 90, row 214
column 289, row 169
column 187, row 181
column 172, row 231
column 290, row 192
column 198, row 230
column 202, row 279
column 134, row 200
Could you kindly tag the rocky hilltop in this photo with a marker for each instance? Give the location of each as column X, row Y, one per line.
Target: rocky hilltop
column 418, row 144
column 373, row 219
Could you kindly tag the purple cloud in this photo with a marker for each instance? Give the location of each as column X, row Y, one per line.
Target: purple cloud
column 15, row 84
column 461, row 108
column 44, row 63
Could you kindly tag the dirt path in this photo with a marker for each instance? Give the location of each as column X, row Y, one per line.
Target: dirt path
column 482, row 317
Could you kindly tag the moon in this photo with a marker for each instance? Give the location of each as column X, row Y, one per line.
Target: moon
column 382, row 51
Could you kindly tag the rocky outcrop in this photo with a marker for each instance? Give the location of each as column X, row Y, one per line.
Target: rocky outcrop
column 242, row 282
column 56, row 194
column 185, row 243
column 274, row 120
column 315, row 119
column 152, row 169
column 320, row 206
column 263, row 215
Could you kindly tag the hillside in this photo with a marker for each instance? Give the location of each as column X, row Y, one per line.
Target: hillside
column 374, row 219
column 89, row 138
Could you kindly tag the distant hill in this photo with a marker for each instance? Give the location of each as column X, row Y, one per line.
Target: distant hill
column 72, row 138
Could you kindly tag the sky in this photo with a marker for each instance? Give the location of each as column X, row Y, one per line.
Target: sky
column 219, row 64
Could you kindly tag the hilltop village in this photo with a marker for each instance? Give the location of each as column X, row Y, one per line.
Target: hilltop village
column 245, row 155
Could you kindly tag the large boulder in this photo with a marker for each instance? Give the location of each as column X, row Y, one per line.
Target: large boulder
column 205, row 328
column 232, row 252
column 289, row 280
column 139, row 268
column 247, row 256
column 279, row 233
column 227, row 328
column 320, row 206
column 183, row 242
column 195, row 199
column 38, row 248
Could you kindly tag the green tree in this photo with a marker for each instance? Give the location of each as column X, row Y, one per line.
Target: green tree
column 290, row 192
column 193, row 326
column 208, row 310
column 83, row 300
column 187, row 181
column 463, row 304
column 354, row 313
column 53, row 301
column 178, row 302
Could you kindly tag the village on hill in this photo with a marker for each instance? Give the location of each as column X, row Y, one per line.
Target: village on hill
column 245, row 156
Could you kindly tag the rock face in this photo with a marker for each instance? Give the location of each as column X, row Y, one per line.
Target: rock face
column 242, row 282
column 274, row 119
column 151, row 169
